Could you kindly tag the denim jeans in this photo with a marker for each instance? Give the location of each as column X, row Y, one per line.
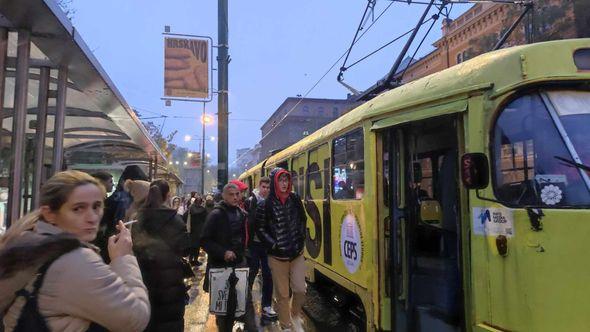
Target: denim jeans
column 259, row 259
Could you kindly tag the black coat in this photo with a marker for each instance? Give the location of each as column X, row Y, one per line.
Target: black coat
column 225, row 229
column 281, row 226
column 107, row 227
column 198, row 215
column 159, row 242
column 251, row 205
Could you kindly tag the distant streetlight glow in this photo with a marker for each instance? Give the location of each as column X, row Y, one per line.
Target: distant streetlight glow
column 177, row 162
column 189, row 155
column 185, row 163
column 212, row 138
column 206, row 119
column 187, row 138
column 170, row 163
column 208, row 155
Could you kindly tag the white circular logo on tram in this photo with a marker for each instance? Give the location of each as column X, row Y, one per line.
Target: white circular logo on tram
column 350, row 243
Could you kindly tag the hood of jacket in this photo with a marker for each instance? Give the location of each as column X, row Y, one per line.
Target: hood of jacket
column 274, row 188
column 21, row 258
column 154, row 219
column 197, row 209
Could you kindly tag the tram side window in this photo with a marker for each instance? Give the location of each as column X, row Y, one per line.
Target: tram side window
column 528, row 158
column 315, row 172
column 348, row 171
column 297, row 174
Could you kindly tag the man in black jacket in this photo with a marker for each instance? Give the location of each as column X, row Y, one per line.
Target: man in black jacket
column 280, row 223
column 224, row 238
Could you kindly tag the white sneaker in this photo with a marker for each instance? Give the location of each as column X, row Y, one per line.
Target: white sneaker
column 297, row 323
column 238, row 327
column 269, row 312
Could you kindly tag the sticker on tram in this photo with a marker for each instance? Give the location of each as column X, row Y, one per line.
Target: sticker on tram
column 351, row 245
column 493, row 221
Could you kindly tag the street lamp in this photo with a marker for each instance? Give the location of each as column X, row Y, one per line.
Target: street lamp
column 206, row 119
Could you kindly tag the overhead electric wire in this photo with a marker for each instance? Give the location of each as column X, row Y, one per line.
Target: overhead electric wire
column 358, row 29
column 384, row 46
column 328, row 71
column 434, row 18
column 163, row 116
column 509, row 2
column 354, row 40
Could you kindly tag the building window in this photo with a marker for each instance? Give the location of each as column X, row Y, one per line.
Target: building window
column 306, row 109
column 459, row 58
column 348, row 171
column 335, row 112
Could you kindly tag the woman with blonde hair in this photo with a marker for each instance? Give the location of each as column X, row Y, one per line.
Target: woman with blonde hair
column 138, row 189
column 52, row 279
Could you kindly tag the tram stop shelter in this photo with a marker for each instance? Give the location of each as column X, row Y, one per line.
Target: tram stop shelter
column 60, row 110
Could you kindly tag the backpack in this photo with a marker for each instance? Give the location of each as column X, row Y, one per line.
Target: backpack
column 30, row 319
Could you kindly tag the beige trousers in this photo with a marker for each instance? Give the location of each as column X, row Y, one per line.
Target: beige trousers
column 285, row 274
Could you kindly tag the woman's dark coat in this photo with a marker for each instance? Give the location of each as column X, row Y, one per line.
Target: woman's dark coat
column 159, row 242
column 198, row 214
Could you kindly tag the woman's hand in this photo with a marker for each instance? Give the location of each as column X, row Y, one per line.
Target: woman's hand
column 120, row 244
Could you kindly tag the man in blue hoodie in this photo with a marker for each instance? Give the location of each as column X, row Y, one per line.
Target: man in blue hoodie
column 280, row 225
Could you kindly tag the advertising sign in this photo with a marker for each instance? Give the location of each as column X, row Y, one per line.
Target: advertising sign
column 493, row 221
column 351, row 245
column 186, row 67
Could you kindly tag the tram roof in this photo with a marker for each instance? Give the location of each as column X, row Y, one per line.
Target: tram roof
column 500, row 72
column 98, row 119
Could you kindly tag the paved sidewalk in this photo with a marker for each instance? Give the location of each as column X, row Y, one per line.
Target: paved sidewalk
column 197, row 317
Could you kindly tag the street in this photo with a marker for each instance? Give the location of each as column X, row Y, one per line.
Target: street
column 197, row 317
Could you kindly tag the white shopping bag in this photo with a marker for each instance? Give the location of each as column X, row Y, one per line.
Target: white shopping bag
column 219, row 290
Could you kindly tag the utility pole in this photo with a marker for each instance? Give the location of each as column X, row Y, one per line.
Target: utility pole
column 222, row 89
column 203, row 160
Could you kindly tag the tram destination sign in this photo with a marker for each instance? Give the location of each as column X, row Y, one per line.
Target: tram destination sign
column 186, row 67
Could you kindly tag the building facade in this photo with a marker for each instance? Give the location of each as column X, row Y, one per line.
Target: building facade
column 478, row 29
column 296, row 118
column 245, row 159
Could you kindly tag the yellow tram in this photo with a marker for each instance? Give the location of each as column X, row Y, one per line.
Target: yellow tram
column 405, row 245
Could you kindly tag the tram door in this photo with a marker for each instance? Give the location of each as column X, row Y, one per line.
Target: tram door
column 425, row 226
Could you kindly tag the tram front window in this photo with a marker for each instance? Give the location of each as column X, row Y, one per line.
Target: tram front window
column 532, row 163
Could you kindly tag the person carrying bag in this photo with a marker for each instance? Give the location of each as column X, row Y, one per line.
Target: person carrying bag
column 225, row 238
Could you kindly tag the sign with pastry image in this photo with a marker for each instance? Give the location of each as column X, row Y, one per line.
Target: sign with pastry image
column 186, row 67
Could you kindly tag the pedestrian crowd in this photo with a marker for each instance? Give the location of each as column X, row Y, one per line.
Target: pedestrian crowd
column 89, row 261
